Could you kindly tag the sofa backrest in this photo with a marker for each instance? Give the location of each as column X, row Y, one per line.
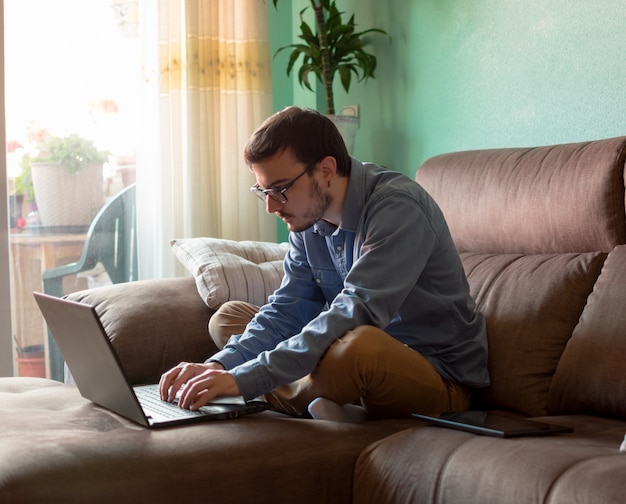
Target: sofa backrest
column 534, row 227
column 541, row 200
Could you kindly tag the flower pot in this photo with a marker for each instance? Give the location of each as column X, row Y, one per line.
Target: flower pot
column 65, row 199
column 128, row 174
column 347, row 126
column 16, row 202
column 31, row 362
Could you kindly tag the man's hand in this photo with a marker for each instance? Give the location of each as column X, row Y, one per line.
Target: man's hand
column 198, row 384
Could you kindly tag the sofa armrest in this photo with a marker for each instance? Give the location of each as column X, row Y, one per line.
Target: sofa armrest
column 152, row 324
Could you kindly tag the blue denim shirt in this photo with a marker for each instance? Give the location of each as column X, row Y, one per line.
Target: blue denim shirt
column 391, row 264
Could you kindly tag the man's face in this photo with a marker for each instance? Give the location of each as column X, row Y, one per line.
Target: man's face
column 306, row 201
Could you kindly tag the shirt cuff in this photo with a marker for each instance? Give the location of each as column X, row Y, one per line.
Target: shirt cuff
column 253, row 379
column 228, row 357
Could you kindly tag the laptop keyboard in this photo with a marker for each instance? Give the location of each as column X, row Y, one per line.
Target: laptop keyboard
column 151, row 402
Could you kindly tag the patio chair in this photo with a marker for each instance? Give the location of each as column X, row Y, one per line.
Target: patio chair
column 112, row 242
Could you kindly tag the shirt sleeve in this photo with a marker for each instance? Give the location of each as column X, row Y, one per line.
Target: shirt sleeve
column 296, row 302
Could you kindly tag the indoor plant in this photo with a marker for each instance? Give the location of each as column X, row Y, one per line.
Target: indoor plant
column 334, row 47
column 66, row 175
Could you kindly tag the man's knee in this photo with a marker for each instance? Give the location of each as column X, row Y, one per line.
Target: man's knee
column 366, row 338
column 230, row 318
column 362, row 342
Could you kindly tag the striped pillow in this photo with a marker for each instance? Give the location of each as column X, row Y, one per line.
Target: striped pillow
column 227, row 270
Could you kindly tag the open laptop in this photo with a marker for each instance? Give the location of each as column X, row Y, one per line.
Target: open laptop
column 493, row 424
column 97, row 372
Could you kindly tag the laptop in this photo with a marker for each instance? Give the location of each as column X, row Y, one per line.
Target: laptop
column 97, row 372
column 493, row 424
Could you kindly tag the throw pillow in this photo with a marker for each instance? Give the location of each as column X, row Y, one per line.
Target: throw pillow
column 227, row 270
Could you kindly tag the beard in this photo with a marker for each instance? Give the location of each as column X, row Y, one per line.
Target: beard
column 320, row 203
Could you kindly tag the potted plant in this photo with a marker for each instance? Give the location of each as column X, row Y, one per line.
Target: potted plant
column 31, row 360
column 18, row 195
column 334, row 47
column 66, row 174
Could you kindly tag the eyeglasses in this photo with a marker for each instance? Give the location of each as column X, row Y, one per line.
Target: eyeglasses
column 276, row 193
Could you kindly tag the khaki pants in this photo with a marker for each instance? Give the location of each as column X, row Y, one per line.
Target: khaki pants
column 366, row 365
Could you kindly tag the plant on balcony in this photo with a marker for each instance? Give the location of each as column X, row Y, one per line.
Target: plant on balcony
column 73, row 152
column 65, row 177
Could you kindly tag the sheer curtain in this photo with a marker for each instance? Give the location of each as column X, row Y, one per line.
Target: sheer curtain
column 212, row 77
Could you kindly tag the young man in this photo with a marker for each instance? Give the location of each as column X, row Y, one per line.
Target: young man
column 374, row 307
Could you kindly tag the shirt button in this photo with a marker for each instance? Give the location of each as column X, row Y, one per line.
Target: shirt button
column 339, row 248
column 317, row 280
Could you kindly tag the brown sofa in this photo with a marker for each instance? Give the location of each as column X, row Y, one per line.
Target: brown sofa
column 542, row 233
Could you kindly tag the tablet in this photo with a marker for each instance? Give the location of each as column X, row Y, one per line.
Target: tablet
column 493, row 424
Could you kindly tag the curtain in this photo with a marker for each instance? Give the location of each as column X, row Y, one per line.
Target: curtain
column 212, row 76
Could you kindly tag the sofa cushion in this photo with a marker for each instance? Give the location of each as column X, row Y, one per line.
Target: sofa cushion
column 552, row 199
column 432, row 464
column 227, row 270
column 531, row 305
column 152, row 324
column 57, row 447
column 590, row 377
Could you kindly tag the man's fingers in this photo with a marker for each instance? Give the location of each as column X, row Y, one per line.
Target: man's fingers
column 206, row 387
column 197, row 391
column 166, row 382
column 198, row 384
column 175, row 378
column 196, row 396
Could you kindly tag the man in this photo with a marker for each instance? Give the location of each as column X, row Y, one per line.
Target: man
column 374, row 307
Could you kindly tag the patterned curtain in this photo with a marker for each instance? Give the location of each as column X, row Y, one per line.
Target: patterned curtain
column 214, row 88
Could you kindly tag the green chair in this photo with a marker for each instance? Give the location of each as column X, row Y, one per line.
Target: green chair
column 111, row 241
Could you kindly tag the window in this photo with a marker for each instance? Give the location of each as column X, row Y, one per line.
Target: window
column 72, row 71
column 81, row 67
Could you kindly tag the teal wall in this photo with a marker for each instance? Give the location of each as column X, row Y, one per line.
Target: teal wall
column 472, row 74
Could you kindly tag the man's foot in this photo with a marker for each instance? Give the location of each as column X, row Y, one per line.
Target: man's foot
column 325, row 409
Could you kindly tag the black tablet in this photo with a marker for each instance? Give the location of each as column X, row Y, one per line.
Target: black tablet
column 493, row 424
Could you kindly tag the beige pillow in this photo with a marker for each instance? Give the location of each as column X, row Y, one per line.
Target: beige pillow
column 227, row 270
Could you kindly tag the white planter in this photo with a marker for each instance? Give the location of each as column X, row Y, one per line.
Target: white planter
column 347, row 126
column 65, row 199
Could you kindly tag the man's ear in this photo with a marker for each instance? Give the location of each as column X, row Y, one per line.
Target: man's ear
column 328, row 168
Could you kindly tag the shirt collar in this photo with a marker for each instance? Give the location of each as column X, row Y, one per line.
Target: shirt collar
column 324, row 228
column 355, row 197
column 353, row 204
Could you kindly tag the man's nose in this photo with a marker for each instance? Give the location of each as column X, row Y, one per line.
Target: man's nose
column 271, row 205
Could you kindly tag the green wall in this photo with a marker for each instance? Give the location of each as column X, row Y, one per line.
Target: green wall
column 472, row 74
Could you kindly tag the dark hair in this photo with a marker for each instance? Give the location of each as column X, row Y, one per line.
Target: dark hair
column 310, row 135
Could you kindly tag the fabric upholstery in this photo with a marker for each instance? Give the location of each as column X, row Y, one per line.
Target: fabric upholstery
column 227, row 270
column 431, row 464
column 152, row 324
column 591, row 376
column 553, row 199
column 58, row 447
column 531, row 305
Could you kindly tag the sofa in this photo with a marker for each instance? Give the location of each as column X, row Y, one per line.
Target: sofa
column 542, row 235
